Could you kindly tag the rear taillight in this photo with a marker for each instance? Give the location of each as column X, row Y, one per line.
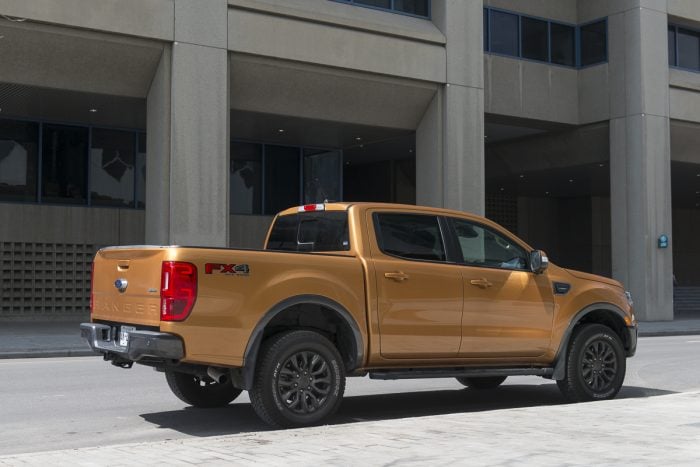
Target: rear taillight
column 92, row 288
column 178, row 290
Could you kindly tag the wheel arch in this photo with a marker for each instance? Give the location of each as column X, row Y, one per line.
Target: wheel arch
column 606, row 314
column 339, row 323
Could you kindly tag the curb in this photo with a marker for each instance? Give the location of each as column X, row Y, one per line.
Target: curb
column 47, row 354
column 691, row 332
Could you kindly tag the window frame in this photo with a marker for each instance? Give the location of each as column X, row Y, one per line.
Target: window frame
column 300, row 150
column 676, row 27
column 38, row 199
column 391, row 9
column 457, row 250
column 580, row 66
column 488, row 36
column 450, row 257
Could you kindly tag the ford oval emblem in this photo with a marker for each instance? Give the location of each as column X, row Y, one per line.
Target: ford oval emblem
column 121, row 284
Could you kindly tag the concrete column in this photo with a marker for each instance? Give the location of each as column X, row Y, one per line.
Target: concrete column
column 640, row 166
column 450, row 137
column 188, row 131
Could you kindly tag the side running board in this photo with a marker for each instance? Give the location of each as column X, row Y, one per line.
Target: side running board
column 416, row 373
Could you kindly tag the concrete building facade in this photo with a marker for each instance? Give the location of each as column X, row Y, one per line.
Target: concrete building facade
column 573, row 123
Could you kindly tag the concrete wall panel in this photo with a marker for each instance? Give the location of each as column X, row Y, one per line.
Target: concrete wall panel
column 32, row 223
column 348, row 16
column 429, row 154
column 249, row 231
column 292, row 39
column 684, row 9
column 559, row 10
column 202, row 23
column 152, row 18
column 594, row 94
column 199, row 162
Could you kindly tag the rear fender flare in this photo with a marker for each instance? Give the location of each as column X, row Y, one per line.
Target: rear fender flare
column 247, row 373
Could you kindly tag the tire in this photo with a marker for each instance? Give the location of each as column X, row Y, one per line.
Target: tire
column 481, row 382
column 288, row 362
column 200, row 392
column 595, row 365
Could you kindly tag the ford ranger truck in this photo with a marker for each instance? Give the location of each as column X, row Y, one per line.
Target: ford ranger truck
column 355, row 289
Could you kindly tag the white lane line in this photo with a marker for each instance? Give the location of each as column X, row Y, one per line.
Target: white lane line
column 692, row 342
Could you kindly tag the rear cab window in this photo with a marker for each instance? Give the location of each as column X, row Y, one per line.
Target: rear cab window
column 321, row 231
column 410, row 236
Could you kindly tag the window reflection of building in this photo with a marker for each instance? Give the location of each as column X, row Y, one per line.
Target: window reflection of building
column 112, row 167
column 18, row 155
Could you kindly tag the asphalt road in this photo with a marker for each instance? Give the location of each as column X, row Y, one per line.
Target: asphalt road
column 63, row 403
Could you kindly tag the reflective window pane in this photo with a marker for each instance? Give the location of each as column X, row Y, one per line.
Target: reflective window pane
column 410, row 236
column 671, row 46
column 321, row 175
column 414, row 7
column 484, row 247
column 19, row 149
column 281, row 178
column 375, row 3
column 593, row 43
column 64, row 164
column 563, row 44
column 504, row 33
column 112, row 167
column 486, row 29
column 534, row 39
column 141, row 172
column 246, row 178
column 688, row 49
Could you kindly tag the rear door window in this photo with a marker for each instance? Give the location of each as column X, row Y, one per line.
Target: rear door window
column 410, row 236
column 310, row 231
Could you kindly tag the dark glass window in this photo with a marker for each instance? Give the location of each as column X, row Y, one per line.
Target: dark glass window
column 481, row 246
column 504, row 33
column 141, row 172
column 671, row 45
column 410, row 236
column 386, row 4
column 594, row 43
column 534, row 39
column 688, row 49
column 282, row 173
column 563, row 44
column 64, row 164
column 19, row 149
column 246, row 178
column 486, row 29
column 112, row 167
column 310, row 231
column 413, row 7
column 321, row 175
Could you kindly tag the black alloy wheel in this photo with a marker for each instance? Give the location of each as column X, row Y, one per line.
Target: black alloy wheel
column 299, row 380
column 595, row 364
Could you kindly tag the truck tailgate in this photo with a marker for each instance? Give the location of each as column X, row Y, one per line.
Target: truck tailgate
column 126, row 285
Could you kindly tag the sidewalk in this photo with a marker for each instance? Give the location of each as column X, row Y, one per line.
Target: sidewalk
column 662, row 430
column 27, row 339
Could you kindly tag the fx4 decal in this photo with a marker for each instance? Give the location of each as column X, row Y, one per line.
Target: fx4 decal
column 229, row 269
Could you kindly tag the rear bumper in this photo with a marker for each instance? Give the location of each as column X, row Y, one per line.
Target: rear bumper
column 632, row 340
column 141, row 344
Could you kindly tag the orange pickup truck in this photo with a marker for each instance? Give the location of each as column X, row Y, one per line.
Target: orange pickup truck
column 350, row 289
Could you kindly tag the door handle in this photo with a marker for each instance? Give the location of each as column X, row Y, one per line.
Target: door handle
column 483, row 283
column 397, row 276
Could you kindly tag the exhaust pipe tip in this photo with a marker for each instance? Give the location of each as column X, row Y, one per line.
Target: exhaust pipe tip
column 219, row 375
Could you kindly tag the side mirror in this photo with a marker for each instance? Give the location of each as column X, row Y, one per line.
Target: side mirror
column 538, row 261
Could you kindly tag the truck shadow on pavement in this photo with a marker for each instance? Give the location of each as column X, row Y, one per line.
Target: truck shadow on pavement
column 240, row 417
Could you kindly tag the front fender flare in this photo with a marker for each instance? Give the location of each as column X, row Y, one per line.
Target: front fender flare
column 560, row 358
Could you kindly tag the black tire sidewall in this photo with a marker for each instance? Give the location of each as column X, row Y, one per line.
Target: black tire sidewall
column 275, row 355
column 186, row 387
column 583, row 339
